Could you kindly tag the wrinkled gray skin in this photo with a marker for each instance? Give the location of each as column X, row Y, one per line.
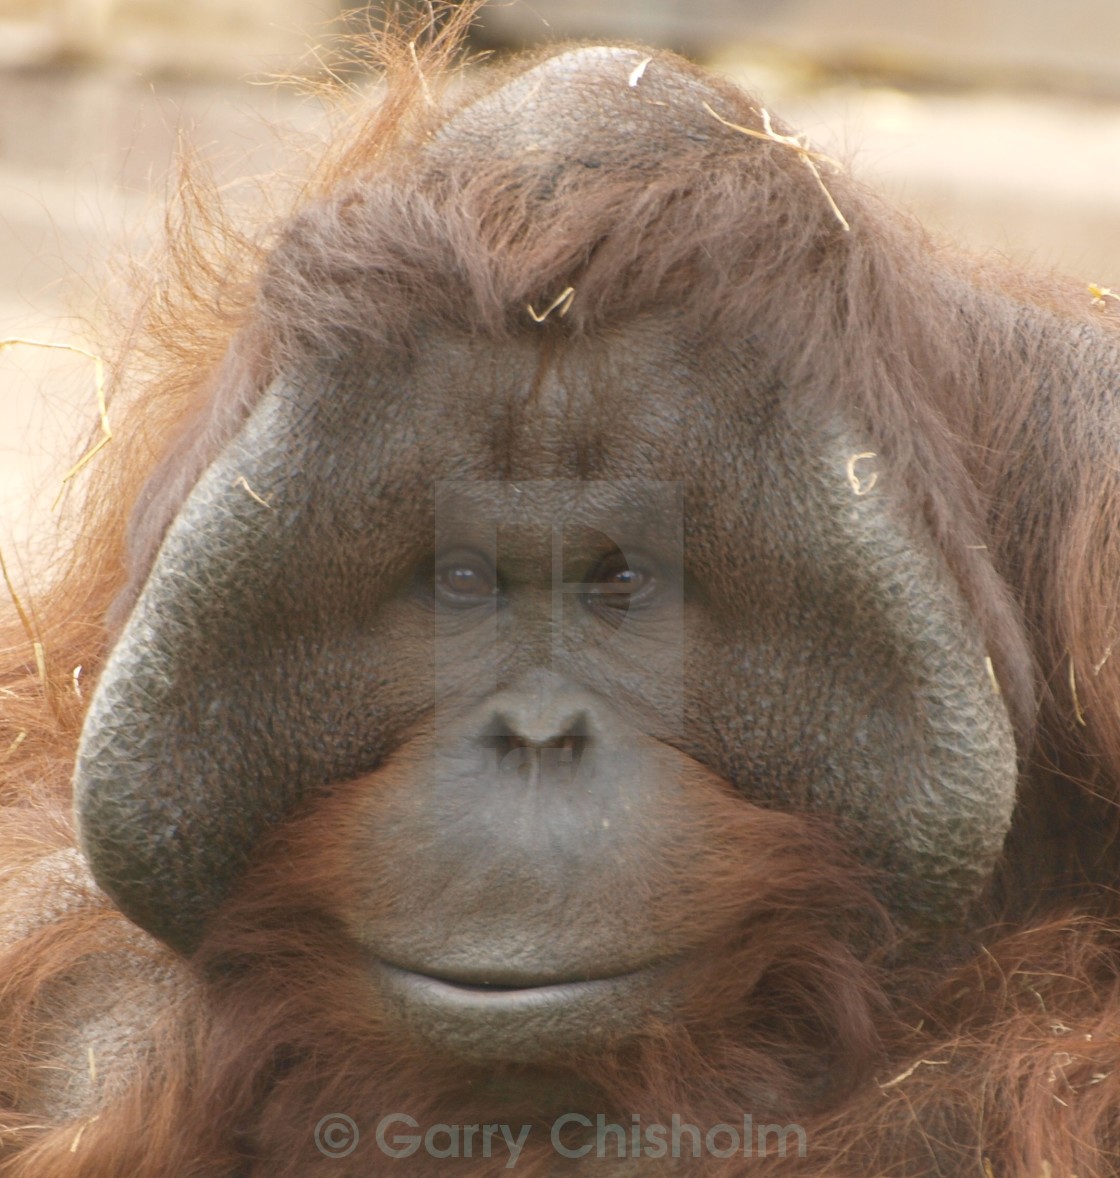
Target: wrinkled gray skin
column 803, row 638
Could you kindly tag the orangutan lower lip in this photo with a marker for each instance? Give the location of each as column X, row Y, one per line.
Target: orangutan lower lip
column 504, row 1022
column 506, row 992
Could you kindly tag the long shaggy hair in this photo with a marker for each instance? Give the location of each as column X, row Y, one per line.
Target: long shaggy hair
column 993, row 392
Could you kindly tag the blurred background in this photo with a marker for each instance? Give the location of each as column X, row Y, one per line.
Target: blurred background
column 996, row 121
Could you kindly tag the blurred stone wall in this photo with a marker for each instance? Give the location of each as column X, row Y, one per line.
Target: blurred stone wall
column 88, row 161
column 211, row 36
column 1067, row 43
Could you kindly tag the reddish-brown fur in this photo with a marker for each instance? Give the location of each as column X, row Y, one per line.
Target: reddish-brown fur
column 1004, row 1060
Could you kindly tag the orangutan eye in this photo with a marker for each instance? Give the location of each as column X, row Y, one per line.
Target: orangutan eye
column 619, row 582
column 465, row 579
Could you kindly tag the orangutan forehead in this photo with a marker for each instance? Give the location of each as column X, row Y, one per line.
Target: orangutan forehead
column 541, row 405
